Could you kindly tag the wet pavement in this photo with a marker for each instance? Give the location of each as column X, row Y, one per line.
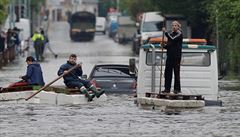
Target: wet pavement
column 118, row 116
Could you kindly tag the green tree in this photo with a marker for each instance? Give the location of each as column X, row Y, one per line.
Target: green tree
column 3, row 10
column 225, row 18
column 36, row 5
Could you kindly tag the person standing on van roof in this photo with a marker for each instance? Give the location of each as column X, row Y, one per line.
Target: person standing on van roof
column 174, row 54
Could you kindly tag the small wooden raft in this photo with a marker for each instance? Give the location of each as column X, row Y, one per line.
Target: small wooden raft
column 56, row 89
column 63, row 89
column 170, row 100
column 171, row 96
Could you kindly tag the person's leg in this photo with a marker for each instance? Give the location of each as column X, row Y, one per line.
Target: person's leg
column 168, row 75
column 177, row 86
column 91, row 87
column 36, row 52
column 81, row 87
column 18, row 84
column 41, row 52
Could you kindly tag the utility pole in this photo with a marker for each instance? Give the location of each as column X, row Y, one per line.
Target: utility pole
column 19, row 2
column 118, row 10
column 12, row 14
column 29, row 9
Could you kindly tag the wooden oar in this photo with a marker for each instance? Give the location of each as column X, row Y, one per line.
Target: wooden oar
column 53, row 81
column 161, row 61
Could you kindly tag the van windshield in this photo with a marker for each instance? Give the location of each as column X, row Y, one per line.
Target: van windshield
column 152, row 26
column 188, row 58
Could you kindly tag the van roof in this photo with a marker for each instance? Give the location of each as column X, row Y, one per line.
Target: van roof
column 157, row 40
column 125, row 20
column 184, row 46
column 152, row 16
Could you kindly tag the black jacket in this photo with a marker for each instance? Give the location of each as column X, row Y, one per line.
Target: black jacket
column 34, row 74
column 174, row 44
column 73, row 75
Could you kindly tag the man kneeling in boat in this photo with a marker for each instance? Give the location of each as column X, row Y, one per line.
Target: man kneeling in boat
column 33, row 75
column 73, row 80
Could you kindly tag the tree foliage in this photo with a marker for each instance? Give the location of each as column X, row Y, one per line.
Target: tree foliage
column 206, row 19
column 3, row 10
column 225, row 18
column 36, row 5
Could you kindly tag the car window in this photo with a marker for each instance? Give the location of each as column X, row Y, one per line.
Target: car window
column 188, row 58
column 152, row 26
column 111, row 71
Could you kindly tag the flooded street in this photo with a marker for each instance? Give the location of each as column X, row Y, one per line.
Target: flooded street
column 118, row 116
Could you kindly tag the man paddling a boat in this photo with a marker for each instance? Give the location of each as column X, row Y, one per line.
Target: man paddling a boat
column 73, row 80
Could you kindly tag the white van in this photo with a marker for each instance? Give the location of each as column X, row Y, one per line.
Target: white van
column 101, row 24
column 126, row 29
column 151, row 25
column 199, row 72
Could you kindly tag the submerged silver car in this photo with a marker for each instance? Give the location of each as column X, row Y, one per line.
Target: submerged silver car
column 114, row 78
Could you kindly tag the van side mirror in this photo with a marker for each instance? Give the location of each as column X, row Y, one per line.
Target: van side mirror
column 132, row 66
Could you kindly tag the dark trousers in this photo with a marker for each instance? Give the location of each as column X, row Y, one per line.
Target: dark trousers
column 78, row 83
column 172, row 65
column 39, row 49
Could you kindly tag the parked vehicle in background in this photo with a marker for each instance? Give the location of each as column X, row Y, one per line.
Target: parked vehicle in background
column 112, row 25
column 82, row 26
column 126, row 29
column 114, row 78
column 101, row 24
column 150, row 26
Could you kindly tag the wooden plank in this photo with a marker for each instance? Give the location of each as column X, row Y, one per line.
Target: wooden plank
column 63, row 89
column 16, row 89
column 174, row 96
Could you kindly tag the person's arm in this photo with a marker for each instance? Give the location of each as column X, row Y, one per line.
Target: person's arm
column 174, row 38
column 79, row 71
column 34, row 37
column 28, row 74
column 42, row 37
column 61, row 70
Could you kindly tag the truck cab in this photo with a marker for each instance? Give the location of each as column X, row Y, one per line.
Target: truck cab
column 199, row 72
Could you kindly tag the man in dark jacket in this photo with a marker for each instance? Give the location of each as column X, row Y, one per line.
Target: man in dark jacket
column 34, row 73
column 73, row 80
column 174, row 53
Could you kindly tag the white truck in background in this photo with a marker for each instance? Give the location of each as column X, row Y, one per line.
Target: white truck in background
column 126, row 29
column 151, row 25
column 101, row 24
